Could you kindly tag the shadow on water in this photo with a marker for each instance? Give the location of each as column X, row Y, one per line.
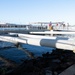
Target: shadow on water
column 30, row 54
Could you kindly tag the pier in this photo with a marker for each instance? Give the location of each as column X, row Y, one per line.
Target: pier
column 59, row 58
column 55, row 42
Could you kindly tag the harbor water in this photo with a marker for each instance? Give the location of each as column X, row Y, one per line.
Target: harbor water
column 9, row 51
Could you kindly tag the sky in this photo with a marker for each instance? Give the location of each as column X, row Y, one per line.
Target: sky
column 29, row 11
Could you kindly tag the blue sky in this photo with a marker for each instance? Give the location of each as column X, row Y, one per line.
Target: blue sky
column 25, row 11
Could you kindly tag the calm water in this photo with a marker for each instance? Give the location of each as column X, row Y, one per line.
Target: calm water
column 17, row 55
